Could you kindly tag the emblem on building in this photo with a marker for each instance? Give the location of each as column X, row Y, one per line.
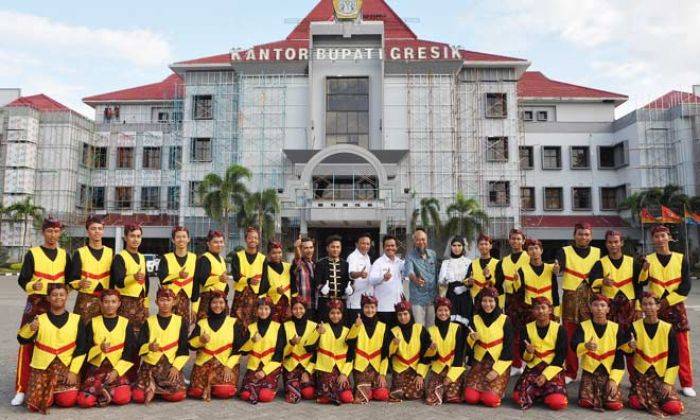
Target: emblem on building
column 347, row 9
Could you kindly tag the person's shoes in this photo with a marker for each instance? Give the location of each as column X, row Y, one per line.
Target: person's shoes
column 19, row 399
column 569, row 380
column 517, row 371
column 689, row 392
column 187, row 382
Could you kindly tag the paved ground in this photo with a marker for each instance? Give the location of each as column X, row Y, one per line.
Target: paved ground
column 12, row 301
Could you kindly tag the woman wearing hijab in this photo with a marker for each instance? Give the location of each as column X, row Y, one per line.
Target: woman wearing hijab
column 491, row 340
column 298, row 371
column 333, row 359
column 453, row 273
column 409, row 366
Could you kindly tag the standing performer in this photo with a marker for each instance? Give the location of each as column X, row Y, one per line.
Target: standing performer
column 409, row 366
column 511, row 298
column 370, row 340
column 277, row 282
column 163, row 349
column 42, row 265
column 576, row 262
column 217, row 339
column 111, row 345
column 481, row 270
column 386, row 281
column 536, row 279
column 90, row 267
column 265, row 349
column 302, row 339
column 655, row 362
column 247, row 269
column 304, row 268
column 176, row 272
column 128, row 277
column 334, row 359
column 210, row 274
column 447, row 354
column 359, row 265
column 490, row 340
column 59, row 353
column 597, row 341
column 332, row 277
column 453, row 274
column 669, row 282
column 544, row 344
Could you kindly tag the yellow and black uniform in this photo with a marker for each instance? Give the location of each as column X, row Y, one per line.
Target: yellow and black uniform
column 134, row 292
column 476, row 271
column 626, row 273
column 538, row 281
column 207, row 278
column 276, row 276
column 247, row 271
column 265, row 349
column 92, row 265
column 506, row 282
column 298, row 365
column 169, row 269
column 370, row 342
column 447, row 362
column 408, row 360
column 333, row 358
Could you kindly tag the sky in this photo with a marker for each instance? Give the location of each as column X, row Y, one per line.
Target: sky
column 72, row 49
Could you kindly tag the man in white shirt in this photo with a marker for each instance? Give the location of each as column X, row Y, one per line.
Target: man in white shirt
column 385, row 277
column 359, row 264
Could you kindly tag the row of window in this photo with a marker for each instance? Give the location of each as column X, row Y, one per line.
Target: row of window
column 96, row 157
column 94, row 197
column 553, row 197
column 539, row 116
column 609, row 157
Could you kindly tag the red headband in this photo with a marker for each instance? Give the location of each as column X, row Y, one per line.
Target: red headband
column 265, row 301
column 165, row 292
column 110, row 292
column 533, row 242
column 540, row 300
column 93, row 219
column 483, row 237
column 660, row 228
column 599, row 297
column 177, row 229
column 368, row 299
column 214, row 234
column 298, row 299
column 489, row 292
column 443, row 301
column 50, row 222
column 578, row 226
column 336, row 304
column 404, row 305
column 131, row 228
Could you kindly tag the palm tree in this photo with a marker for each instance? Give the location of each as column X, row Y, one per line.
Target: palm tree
column 225, row 197
column 26, row 211
column 465, row 218
column 261, row 209
column 429, row 215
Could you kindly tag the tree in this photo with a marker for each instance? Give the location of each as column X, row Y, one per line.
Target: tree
column 261, row 209
column 465, row 218
column 429, row 215
column 26, row 211
column 225, row 197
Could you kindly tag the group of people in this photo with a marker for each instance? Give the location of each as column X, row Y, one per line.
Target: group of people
column 335, row 330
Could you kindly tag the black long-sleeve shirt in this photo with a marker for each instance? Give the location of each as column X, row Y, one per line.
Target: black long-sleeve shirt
column 76, row 268
column 538, row 269
column 117, row 273
column 81, row 346
column 336, row 273
column 163, row 272
column 500, row 277
column 277, row 268
column 559, row 348
column 27, row 271
column 236, row 264
column 561, row 255
column 600, row 329
column 129, row 350
column 240, row 334
column 183, row 348
column 684, row 287
column 202, row 271
column 597, row 273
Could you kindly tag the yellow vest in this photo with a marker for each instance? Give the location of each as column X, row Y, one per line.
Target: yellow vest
column 478, row 275
column 218, row 267
column 368, row 351
column 220, row 342
column 490, row 338
column 132, row 287
column 167, row 339
column 296, row 355
column 607, row 346
column 52, row 342
column 407, row 354
column 116, row 339
column 261, row 352
column 537, row 285
column 97, row 272
column 249, row 270
column 577, row 268
column 280, row 280
column 544, row 347
column 173, row 280
column 332, row 351
column 509, row 268
column 622, row 276
column 445, row 347
column 651, row 352
column 46, row 271
column 663, row 279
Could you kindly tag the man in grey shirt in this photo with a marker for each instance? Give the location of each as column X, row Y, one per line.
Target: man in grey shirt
column 421, row 269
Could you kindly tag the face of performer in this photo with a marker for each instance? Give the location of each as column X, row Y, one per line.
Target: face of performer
column 363, row 245
column 535, row 253
column 488, row 304
column 442, row 313
column 57, row 300
column 216, row 245
column 252, row 240
column 661, row 239
column 165, row 305
column 650, row 307
column 582, row 237
column 457, row 248
column 335, row 315
column 217, row 305
column 404, row 317
column 95, row 232
column 334, row 249
column 263, row 311
column 614, row 244
column 420, row 240
column 307, row 250
column 484, row 248
column 369, row 309
column 516, row 242
column 110, row 304
column 181, row 239
column 542, row 312
column 51, row 236
column 275, row 255
column 390, row 248
column 298, row 310
column 133, row 239
column 599, row 310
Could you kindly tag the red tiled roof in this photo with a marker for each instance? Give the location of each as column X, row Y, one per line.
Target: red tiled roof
column 39, row 102
column 168, row 88
column 534, row 84
column 673, row 98
column 546, row 221
column 114, row 219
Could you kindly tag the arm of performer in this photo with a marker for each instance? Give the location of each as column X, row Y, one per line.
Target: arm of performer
column 555, row 296
column 278, row 356
column 81, row 349
column 26, row 273
column 457, row 367
column 129, row 352
column 561, row 258
column 618, row 366
column 202, row 269
column 559, row 355
column 117, row 273
column 183, row 350
column 163, row 270
column 577, row 341
column 265, row 285
column 76, row 269
column 672, row 362
column 236, row 270
column 506, row 358
column 681, row 293
column 595, row 277
column 424, row 362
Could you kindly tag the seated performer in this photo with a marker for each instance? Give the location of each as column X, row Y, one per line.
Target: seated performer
column 333, row 358
column 163, row 349
column 265, row 349
column 409, row 366
column 370, row 340
column 655, row 362
column 447, row 357
column 597, row 341
column 59, row 343
column 217, row 339
column 176, row 272
column 491, row 342
column 210, row 272
column 111, row 344
column 277, row 282
column 544, row 344
column 298, row 371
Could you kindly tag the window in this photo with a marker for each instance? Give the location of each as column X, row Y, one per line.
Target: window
column 123, row 197
column 551, row 157
column 175, row 157
column 150, row 198
column 82, row 195
column 527, row 198
column 151, row 158
column 542, row 116
column 125, row 157
column 200, row 150
column 497, row 149
column 611, row 198
column 580, row 157
column 97, row 198
column 173, row 198
column 496, row 105
column 87, row 152
column 347, row 111
column 350, row 188
column 613, row 157
column 99, row 155
column 202, row 107
column 581, row 197
column 527, row 115
column 499, row 193
column 194, row 199
column 527, row 157
column 553, row 198
column 162, row 115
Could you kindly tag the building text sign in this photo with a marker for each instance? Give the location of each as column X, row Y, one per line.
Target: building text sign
column 404, row 53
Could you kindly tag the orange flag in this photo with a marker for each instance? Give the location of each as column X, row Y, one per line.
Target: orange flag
column 647, row 218
column 668, row 216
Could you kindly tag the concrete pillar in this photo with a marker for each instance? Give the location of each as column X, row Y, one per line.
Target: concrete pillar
column 118, row 239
